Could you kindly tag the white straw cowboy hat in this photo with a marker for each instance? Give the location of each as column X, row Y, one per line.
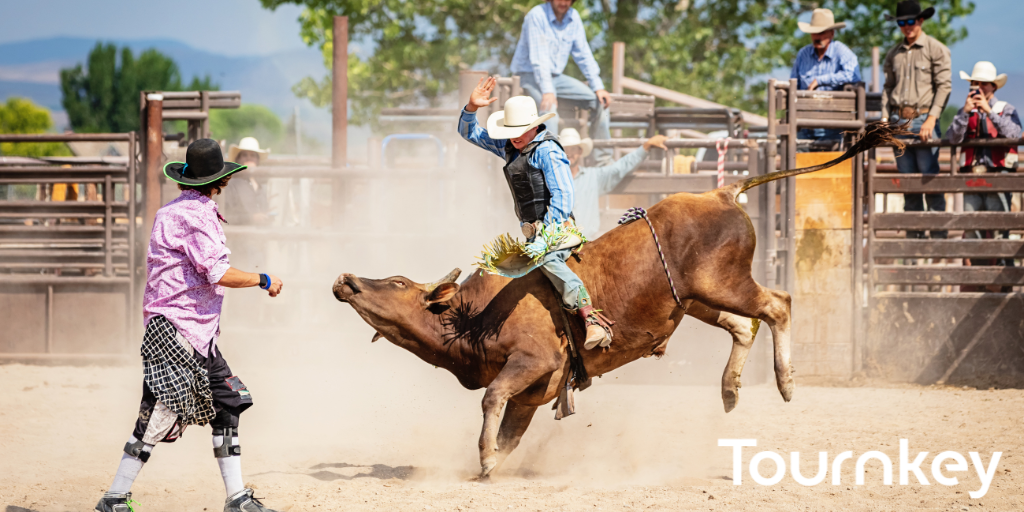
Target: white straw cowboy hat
column 247, row 144
column 985, row 71
column 519, row 116
column 821, row 20
column 571, row 137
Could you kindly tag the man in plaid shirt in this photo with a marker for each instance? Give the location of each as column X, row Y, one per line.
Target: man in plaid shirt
column 186, row 379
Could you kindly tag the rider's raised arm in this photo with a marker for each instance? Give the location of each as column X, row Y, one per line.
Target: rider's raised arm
column 552, row 160
column 470, row 130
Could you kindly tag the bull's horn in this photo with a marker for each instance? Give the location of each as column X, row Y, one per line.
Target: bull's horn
column 450, row 278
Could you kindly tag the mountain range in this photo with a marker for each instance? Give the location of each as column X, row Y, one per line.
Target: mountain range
column 32, row 69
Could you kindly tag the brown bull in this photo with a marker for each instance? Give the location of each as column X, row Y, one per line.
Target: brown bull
column 508, row 336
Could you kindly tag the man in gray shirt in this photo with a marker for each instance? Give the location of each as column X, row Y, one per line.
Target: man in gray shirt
column 917, row 85
column 590, row 183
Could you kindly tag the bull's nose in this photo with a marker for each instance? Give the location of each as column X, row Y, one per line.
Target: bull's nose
column 345, row 286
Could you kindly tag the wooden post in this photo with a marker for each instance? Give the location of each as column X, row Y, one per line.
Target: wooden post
column 618, row 66
column 876, row 80
column 339, row 99
column 154, row 157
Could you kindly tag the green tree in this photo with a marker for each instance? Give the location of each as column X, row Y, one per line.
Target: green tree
column 718, row 50
column 19, row 115
column 104, row 96
column 247, row 121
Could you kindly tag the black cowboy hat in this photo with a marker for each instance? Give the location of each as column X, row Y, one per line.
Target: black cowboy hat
column 204, row 163
column 910, row 10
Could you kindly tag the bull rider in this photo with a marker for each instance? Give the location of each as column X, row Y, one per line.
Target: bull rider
column 186, row 380
column 538, row 173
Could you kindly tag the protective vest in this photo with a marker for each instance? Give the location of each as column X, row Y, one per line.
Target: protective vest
column 530, row 191
column 1005, row 157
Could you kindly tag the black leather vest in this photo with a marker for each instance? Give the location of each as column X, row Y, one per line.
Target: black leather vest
column 530, row 192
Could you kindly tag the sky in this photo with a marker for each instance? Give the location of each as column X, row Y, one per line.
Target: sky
column 227, row 27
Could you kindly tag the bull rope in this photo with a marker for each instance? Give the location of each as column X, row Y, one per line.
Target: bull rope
column 639, row 213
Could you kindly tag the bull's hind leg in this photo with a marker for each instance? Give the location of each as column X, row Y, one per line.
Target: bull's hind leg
column 514, row 423
column 750, row 299
column 742, row 330
column 518, row 374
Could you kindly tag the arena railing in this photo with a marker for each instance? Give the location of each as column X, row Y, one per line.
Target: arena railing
column 69, row 267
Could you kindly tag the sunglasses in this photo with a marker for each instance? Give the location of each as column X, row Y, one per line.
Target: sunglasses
column 906, row 23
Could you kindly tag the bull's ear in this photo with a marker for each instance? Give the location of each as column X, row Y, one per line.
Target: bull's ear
column 442, row 293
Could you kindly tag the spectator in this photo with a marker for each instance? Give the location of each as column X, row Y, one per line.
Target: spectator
column 551, row 32
column 246, row 202
column 593, row 182
column 824, row 65
column 985, row 117
column 917, row 85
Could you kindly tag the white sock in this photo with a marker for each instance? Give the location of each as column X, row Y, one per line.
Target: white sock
column 230, row 468
column 128, row 470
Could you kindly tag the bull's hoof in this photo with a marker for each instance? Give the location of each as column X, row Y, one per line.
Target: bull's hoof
column 729, row 399
column 786, row 388
column 487, row 466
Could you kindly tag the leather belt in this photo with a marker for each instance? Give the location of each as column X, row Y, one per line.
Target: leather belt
column 911, row 112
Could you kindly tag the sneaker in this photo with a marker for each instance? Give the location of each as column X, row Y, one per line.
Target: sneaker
column 116, row 502
column 243, row 501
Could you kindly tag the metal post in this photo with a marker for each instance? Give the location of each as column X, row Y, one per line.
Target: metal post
column 108, row 227
column 857, row 239
column 49, row 319
column 204, row 106
column 131, row 196
column 298, row 133
column 768, row 205
column 790, row 206
column 154, row 156
column 876, row 79
column 339, row 103
column 467, row 82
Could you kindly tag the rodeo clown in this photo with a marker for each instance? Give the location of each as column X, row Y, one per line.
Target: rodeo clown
column 186, row 380
column 537, row 171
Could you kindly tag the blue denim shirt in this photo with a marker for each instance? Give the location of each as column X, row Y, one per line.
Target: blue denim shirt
column 548, row 157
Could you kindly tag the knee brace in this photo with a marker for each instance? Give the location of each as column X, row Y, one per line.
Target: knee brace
column 226, row 448
column 137, row 450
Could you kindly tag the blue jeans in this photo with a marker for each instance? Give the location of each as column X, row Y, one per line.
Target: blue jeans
column 565, row 280
column 921, row 161
column 991, row 202
column 820, row 135
column 572, row 90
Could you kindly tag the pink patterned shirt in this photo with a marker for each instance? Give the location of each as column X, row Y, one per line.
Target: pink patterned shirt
column 187, row 258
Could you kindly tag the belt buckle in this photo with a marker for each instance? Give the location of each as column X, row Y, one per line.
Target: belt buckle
column 908, row 113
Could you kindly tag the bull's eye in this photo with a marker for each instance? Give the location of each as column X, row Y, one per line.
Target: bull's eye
column 399, row 283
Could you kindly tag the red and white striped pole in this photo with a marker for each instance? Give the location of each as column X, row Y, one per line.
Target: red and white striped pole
column 722, row 145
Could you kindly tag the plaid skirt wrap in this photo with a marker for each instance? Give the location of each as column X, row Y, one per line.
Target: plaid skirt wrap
column 174, row 376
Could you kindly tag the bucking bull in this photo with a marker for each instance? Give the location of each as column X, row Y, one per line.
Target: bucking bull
column 509, row 335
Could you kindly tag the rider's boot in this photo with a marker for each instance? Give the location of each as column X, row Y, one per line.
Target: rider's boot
column 599, row 328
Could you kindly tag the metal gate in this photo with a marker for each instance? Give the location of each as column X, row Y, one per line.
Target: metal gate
column 68, row 265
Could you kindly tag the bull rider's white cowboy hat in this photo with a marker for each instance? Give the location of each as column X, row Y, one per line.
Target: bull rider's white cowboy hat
column 985, row 71
column 821, row 20
column 519, row 116
column 247, row 144
column 571, row 137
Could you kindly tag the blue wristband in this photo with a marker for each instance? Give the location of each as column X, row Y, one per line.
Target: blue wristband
column 268, row 282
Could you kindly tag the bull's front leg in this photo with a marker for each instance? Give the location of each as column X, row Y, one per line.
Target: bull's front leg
column 514, row 423
column 517, row 375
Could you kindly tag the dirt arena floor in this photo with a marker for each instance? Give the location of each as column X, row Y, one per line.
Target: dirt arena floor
column 376, row 429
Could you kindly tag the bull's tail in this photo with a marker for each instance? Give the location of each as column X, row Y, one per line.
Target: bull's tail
column 876, row 134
